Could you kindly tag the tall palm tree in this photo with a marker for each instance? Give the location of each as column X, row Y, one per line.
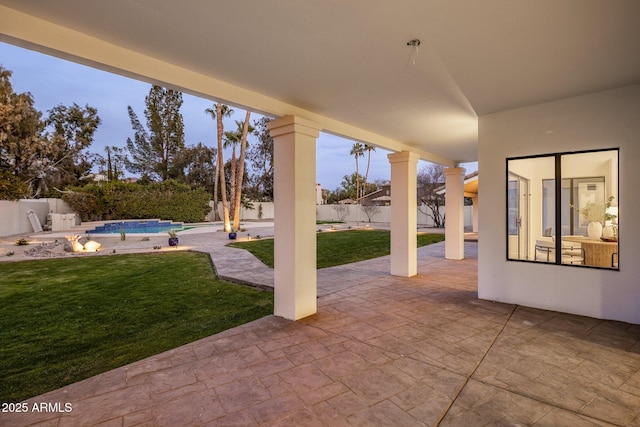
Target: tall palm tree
column 246, row 129
column 223, row 181
column 225, row 111
column 233, row 139
column 357, row 150
column 369, row 149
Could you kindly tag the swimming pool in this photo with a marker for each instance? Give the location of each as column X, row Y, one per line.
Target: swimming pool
column 133, row 227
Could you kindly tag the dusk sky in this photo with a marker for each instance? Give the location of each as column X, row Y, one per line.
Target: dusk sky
column 54, row 81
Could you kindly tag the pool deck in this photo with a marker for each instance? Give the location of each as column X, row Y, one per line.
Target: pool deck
column 50, row 244
column 381, row 351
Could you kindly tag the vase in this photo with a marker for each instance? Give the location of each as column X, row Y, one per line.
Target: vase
column 594, row 229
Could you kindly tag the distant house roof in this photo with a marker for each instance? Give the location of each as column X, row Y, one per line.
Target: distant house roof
column 346, row 202
column 373, row 194
column 97, row 177
column 376, row 195
column 470, row 186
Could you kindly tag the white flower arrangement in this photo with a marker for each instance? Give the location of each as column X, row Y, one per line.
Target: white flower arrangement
column 597, row 212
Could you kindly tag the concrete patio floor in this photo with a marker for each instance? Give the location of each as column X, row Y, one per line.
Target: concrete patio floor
column 382, row 351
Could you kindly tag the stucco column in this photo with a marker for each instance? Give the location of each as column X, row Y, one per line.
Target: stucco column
column 475, row 213
column 294, row 155
column 454, row 205
column 403, row 213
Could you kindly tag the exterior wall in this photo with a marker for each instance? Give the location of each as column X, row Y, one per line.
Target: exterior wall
column 355, row 214
column 247, row 214
column 596, row 121
column 59, row 206
column 14, row 215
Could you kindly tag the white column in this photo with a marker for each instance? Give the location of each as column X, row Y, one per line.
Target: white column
column 295, row 282
column 404, row 258
column 475, row 213
column 454, row 205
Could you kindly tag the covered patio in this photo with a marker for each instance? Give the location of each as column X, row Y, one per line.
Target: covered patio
column 404, row 340
column 446, row 82
column 383, row 350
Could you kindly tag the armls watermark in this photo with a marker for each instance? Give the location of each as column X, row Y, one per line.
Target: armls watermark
column 46, row 407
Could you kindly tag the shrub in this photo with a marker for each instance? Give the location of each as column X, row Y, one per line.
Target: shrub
column 120, row 200
column 21, row 242
column 12, row 188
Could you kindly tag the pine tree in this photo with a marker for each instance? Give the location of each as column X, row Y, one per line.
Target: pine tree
column 154, row 151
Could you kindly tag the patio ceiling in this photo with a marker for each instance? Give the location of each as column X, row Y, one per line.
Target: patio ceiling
column 471, row 185
column 346, row 64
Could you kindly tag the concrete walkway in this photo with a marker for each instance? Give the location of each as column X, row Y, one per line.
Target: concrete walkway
column 240, row 266
column 382, row 351
column 232, row 264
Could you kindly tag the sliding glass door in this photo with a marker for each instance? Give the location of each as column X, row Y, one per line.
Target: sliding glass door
column 518, row 217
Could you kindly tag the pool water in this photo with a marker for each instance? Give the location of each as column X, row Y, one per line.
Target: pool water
column 133, row 227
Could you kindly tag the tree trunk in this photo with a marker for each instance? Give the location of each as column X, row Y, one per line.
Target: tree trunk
column 216, row 179
column 223, row 184
column 366, row 174
column 232, row 190
column 357, row 181
column 240, row 177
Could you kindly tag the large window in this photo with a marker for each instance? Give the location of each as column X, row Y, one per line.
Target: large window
column 566, row 204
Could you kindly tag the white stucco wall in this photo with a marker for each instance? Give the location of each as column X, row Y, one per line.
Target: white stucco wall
column 14, row 218
column 609, row 119
column 13, row 215
column 356, row 214
column 246, row 214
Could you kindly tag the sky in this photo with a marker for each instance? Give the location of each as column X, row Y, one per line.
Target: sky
column 54, row 81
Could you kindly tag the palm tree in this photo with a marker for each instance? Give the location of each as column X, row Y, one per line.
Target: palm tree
column 369, row 149
column 246, row 129
column 357, row 150
column 225, row 111
column 223, row 181
column 232, row 139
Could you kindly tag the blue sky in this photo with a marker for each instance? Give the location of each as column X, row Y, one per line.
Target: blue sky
column 53, row 81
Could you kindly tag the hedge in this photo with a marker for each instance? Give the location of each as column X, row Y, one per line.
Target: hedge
column 167, row 200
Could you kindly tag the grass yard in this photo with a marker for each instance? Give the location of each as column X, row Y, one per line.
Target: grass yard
column 337, row 248
column 63, row 320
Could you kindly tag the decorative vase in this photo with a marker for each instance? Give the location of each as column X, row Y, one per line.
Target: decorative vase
column 594, row 229
column 173, row 241
column 232, row 235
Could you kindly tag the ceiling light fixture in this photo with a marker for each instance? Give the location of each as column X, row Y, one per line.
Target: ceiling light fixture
column 414, row 44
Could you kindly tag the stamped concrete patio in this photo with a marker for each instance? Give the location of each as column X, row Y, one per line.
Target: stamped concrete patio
column 382, row 351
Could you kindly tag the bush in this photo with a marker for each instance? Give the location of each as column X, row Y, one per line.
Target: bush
column 120, row 200
column 12, row 188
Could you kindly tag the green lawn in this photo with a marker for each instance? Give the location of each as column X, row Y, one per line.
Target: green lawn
column 63, row 320
column 337, row 248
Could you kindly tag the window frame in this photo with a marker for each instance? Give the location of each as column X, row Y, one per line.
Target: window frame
column 558, row 202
